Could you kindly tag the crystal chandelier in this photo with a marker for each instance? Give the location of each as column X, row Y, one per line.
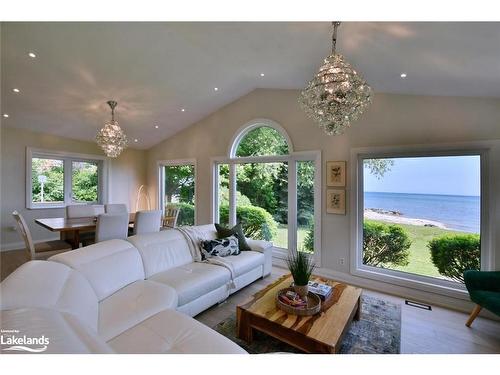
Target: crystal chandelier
column 337, row 95
column 111, row 137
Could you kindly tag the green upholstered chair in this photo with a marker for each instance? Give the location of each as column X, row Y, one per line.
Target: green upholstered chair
column 484, row 290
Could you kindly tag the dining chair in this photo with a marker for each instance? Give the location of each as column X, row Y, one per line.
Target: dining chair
column 115, row 208
column 41, row 250
column 111, row 226
column 171, row 216
column 147, row 221
column 75, row 211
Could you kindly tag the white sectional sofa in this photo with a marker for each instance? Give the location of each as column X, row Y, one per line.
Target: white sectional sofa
column 134, row 296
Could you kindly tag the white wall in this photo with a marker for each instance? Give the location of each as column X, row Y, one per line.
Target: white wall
column 127, row 173
column 392, row 120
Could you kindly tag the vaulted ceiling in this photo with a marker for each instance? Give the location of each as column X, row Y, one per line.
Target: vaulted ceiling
column 154, row 70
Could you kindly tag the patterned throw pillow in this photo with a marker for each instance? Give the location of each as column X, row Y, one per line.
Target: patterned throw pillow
column 222, row 247
column 237, row 230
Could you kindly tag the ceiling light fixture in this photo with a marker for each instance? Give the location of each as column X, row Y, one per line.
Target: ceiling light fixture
column 32, row 55
column 403, row 75
column 16, row 90
column 216, row 89
column 262, row 74
column 183, row 110
column 337, row 95
column 5, row 115
column 111, row 137
column 156, row 126
column 136, row 140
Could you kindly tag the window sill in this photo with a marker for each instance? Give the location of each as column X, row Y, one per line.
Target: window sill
column 44, row 207
column 422, row 283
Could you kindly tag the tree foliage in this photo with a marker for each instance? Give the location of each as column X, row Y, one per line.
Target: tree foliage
column 385, row 245
column 179, row 182
column 378, row 167
column 453, row 254
column 262, row 141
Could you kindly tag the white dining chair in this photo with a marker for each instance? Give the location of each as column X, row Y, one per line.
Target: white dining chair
column 115, row 208
column 75, row 211
column 111, row 226
column 147, row 221
column 41, row 250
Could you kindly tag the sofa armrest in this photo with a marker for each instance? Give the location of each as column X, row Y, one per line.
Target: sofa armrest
column 259, row 245
column 266, row 248
column 482, row 280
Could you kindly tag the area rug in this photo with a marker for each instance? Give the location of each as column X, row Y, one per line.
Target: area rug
column 377, row 332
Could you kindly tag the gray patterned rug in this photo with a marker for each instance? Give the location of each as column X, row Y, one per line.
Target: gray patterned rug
column 377, row 332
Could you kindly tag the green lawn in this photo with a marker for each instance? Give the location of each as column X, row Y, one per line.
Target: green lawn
column 420, row 256
column 281, row 239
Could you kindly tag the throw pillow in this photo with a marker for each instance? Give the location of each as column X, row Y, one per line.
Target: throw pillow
column 237, row 230
column 222, row 247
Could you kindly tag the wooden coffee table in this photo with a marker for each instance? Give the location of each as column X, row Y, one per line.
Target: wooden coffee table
column 320, row 333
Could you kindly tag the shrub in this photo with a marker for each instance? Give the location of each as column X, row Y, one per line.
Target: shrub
column 309, row 239
column 256, row 222
column 453, row 254
column 186, row 213
column 385, row 245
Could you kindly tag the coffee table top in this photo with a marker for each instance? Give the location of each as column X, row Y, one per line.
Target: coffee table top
column 326, row 327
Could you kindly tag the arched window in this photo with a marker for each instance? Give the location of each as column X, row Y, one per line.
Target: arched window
column 268, row 188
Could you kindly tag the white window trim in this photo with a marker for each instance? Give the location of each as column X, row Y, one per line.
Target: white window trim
column 424, row 283
column 67, row 157
column 291, row 158
column 161, row 181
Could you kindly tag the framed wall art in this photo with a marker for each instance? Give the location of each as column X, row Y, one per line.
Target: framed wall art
column 335, row 173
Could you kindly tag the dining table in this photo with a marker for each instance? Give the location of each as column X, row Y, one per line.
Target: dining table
column 70, row 229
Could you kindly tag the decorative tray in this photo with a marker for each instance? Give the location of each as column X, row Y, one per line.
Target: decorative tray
column 313, row 304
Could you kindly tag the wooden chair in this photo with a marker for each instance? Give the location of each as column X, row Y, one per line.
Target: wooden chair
column 42, row 250
column 170, row 218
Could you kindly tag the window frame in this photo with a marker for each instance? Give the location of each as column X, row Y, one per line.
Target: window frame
column 401, row 278
column 68, row 158
column 291, row 158
column 161, row 181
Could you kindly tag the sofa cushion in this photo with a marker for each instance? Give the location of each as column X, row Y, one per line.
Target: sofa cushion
column 50, row 285
column 63, row 332
column 133, row 304
column 108, row 266
column 172, row 332
column 193, row 280
column 244, row 262
column 222, row 247
column 161, row 251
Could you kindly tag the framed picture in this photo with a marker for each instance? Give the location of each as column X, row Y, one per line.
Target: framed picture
column 335, row 173
column 335, row 201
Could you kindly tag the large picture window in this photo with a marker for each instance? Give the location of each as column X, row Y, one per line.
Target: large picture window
column 177, row 189
column 57, row 179
column 271, row 190
column 420, row 216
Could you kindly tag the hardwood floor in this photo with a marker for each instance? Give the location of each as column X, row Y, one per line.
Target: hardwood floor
column 437, row 331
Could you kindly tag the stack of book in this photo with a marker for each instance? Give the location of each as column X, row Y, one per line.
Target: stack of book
column 322, row 290
column 292, row 299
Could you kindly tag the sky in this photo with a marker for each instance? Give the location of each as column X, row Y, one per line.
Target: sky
column 448, row 175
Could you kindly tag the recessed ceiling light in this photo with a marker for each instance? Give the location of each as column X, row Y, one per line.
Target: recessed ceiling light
column 32, row 55
column 403, row 75
column 5, row 115
column 262, row 74
column 156, row 126
column 16, row 90
column 183, row 110
column 136, row 140
column 216, row 89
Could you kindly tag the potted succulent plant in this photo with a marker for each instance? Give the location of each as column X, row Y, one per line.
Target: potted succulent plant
column 301, row 268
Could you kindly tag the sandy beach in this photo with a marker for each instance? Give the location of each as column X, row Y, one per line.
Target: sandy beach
column 389, row 217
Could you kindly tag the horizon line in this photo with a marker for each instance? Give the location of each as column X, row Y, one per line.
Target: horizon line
column 449, row 195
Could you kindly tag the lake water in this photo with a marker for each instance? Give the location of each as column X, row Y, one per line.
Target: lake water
column 454, row 211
